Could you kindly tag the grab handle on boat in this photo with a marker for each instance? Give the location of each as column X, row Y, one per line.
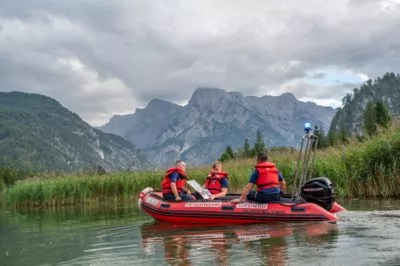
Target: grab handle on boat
column 230, row 208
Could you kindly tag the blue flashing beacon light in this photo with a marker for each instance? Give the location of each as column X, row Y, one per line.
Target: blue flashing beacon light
column 307, row 127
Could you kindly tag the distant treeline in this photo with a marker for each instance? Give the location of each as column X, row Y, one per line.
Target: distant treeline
column 249, row 152
column 376, row 116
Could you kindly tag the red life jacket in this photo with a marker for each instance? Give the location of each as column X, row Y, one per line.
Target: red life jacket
column 267, row 175
column 180, row 183
column 213, row 183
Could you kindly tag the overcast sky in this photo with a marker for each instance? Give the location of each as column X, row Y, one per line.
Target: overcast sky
column 99, row 58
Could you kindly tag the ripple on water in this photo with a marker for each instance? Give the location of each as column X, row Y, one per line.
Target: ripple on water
column 358, row 238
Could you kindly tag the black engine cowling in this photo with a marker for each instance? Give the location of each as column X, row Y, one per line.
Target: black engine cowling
column 320, row 191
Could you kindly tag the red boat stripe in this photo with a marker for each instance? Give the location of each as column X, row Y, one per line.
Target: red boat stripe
column 239, row 216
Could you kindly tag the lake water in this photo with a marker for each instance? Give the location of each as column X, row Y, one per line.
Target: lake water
column 368, row 234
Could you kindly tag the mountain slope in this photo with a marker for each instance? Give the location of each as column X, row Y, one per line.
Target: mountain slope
column 214, row 118
column 386, row 89
column 37, row 132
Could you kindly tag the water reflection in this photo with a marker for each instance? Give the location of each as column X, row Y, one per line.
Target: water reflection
column 266, row 243
column 121, row 235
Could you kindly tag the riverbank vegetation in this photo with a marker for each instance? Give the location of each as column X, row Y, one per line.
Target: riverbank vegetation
column 362, row 165
column 367, row 168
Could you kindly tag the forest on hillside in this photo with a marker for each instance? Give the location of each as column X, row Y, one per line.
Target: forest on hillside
column 374, row 103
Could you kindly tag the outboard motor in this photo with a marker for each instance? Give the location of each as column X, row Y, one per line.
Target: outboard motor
column 320, row 191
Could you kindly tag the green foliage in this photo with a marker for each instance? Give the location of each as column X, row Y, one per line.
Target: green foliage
column 2, row 185
column 8, row 176
column 376, row 114
column 246, row 149
column 333, row 138
column 383, row 117
column 367, row 169
column 369, row 119
column 101, row 170
column 382, row 91
column 343, row 135
column 323, row 140
column 85, row 188
column 259, row 144
column 229, row 151
column 227, row 155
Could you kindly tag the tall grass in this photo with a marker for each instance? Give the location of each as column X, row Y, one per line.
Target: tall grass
column 367, row 169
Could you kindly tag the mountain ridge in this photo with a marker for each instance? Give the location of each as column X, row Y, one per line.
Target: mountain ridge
column 41, row 134
column 214, row 118
column 385, row 88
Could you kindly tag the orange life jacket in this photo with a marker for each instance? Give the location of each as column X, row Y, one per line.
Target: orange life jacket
column 213, row 183
column 180, row 183
column 267, row 175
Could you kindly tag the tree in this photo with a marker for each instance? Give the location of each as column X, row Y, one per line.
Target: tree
column 101, row 170
column 369, row 119
column 2, row 185
column 346, row 99
column 332, row 137
column 355, row 92
column 246, row 149
column 317, row 133
column 359, row 137
column 230, row 151
column 259, row 144
column 323, row 141
column 238, row 154
column 383, row 117
column 343, row 135
column 225, row 157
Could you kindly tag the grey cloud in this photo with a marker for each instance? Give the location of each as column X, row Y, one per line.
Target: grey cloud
column 134, row 51
column 306, row 90
column 319, row 75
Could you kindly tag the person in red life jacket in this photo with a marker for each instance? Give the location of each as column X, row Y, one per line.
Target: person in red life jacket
column 216, row 182
column 269, row 182
column 173, row 185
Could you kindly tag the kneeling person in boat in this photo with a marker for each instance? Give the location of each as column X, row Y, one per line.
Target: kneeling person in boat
column 216, row 182
column 269, row 182
column 173, row 185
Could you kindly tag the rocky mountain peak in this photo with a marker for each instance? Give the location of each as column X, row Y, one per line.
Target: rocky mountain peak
column 287, row 96
column 214, row 118
column 158, row 106
column 203, row 96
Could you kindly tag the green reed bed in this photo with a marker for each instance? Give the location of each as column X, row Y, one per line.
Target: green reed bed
column 368, row 169
column 80, row 189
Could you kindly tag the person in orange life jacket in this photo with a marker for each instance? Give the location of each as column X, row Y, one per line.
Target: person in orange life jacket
column 216, row 182
column 269, row 182
column 173, row 185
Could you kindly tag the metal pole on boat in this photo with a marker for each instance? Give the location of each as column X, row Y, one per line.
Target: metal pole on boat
column 314, row 153
column 308, row 158
column 306, row 153
column 297, row 167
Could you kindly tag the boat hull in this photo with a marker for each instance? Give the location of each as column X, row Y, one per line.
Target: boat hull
column 225, row 212
column 337, row 208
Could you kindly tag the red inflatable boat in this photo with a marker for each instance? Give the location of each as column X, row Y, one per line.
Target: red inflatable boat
column 320, row 206
column 312, row 201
